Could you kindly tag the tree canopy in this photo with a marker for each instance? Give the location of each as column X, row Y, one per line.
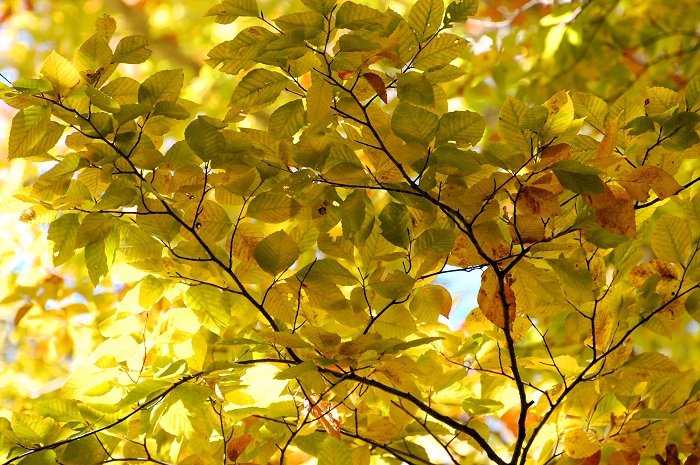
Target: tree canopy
column 230, row 229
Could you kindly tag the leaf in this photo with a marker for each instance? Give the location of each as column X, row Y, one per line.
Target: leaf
column 614, row 211
column 102, row 100
column 99, row 257
column 561, row 116
column 660, row 100
column 105, row 26
column 353, row 15
column 692, row 94
column 276, row 252
column 320, row 6
column 319, row 99
column 590, row 107
column 161, row 86
column 577, row 177
column 671, row 239
column 638, row 181
column 176, row 419
column 308, row 23
column 240, row 53
column 491, row 303
column 440, row 51
column 415, row 89
column 607, row 145
column 28, row 128
column 334, row 452
column 510, row 121
column 377, row 84
column 132, row 49
column 63, row 232
column 59, row 409
column 429, row 302
column 94, row 54
column 61, row 74
column 413, row 124
column 242, row 8
column 258, row 89
column 459, row 11
column 465, row 128
column 396, row 322
column 579, row 444
column 212, row 223
column 425, row 18
column 287, row 120
column 204, row 139
column 479, row 407
column 236, row 446
column 395, row 220
column 272, row 208
column 211, row 305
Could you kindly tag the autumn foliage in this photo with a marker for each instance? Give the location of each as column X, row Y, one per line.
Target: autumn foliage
column 266, row 285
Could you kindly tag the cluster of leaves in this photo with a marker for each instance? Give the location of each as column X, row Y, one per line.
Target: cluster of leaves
column 281, row 303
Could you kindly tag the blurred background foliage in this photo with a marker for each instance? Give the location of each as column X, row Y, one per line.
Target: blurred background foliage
column 527, row 49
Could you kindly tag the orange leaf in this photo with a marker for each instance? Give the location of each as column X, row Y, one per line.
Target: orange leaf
column 21, row 312
column 638, row 182
column 345, row 73
column 538, row 202
column 623, row 457
column 592, row 460
column 325, row 414
column 377, row 84
column 614, row 211
column 555, row 152
column 607, row 145
column 235, row 447
column 490, row 302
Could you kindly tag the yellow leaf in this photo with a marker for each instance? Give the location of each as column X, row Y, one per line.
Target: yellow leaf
column 607, row 145
column 638, row 181
column 61, row 74
column 579, row 444
column 614, row 211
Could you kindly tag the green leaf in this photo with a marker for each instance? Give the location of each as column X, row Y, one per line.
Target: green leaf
column 353, row 15
column 93, row 54
column 123, row 90
column 272, row 208
column 415, row 89
column 105, row 26
column 450, row 160
column 478, row 407
column 671, row 239
column 510, row 122
column 171, row 110
column 334, row 452
column 59, row 409
column 692, row 94
column 413, row 124
column 242, row 8
column 204, row 139
column 578, row 178
column 590, row 107
column 435, row 240
column 99, row 257
column 425, row 18
column 465, row 128
column 132, row 49
column 395, row 222
column 211, row 305
column 296, row 370
column 62, row 232
column 258, row 89
column 276, row 252
column 575, row 278
column 309, row 23
column 440, row 51
column 28, row 128
column 163, row 85
column 319, row 99
column 692, row 306
column 320, row 6
column 394, row 286
column 95, row 227
column 61, row 74
column 240, row 53
column 459, row 11
column 102, row 100
column 287, row 120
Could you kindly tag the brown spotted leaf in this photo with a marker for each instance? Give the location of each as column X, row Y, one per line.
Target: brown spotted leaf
column 614, row 211
column 490, row 300
column 638, row 182
column 236, row 446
